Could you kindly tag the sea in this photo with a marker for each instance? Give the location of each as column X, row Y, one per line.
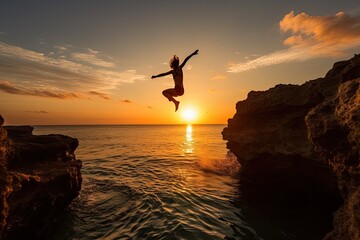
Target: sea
column 157, row 182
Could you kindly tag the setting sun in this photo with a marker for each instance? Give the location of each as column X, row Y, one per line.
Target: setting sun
column 189, row 115
column 174, row 114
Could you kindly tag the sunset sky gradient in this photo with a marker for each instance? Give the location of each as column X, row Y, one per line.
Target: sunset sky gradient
column 91, row 62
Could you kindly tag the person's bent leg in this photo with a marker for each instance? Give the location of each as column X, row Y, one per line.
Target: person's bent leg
column 170, row 94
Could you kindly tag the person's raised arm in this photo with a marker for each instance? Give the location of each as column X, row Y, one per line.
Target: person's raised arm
column 188, row 57
column 161, row 74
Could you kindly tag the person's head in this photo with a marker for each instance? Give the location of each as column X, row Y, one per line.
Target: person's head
column 174, row 62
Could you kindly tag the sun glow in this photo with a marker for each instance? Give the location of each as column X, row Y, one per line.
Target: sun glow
column 189, row 115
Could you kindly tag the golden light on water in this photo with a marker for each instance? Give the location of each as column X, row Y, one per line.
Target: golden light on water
column 189, row 133
column 189, row 140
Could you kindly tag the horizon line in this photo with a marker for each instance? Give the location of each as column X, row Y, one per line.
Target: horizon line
column 115, row 124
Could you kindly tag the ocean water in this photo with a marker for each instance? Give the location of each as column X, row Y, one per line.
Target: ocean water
column 157, row 182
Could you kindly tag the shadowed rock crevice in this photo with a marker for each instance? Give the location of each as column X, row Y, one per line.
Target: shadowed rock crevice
column 298, row 147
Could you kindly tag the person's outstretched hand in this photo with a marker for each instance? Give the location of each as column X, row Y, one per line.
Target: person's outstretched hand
column 196, row 52
column 152, row 76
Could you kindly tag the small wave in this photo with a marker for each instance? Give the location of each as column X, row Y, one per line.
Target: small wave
column 228, row 165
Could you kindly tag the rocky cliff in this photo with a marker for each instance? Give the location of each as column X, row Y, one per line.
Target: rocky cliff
column 334, row 130
column 302, row 144
column 39, row 176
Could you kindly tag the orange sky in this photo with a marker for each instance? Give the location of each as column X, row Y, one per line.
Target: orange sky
column 91, row 62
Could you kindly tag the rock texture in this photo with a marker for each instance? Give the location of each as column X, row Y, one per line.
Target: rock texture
column 304, row 140
column 39, row 176
column 334, row 130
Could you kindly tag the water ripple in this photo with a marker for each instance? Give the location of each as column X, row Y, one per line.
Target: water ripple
column 146, row 182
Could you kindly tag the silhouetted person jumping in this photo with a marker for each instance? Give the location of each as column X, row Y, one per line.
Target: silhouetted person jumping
column 177, row 73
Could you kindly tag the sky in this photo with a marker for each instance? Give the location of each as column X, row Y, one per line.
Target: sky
column 91, row 62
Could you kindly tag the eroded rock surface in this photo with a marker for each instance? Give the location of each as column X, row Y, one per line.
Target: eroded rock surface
column 39, row 176
column 334, row 130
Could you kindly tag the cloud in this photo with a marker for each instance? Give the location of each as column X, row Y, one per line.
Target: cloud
column 56, row 77
column 268, row 60
column 39, row 112
column 311, row 37
column 92, row 51
column 328, row 35
column 10, row 88
column 218, row 77
column 61, row 48
column 126, row 101
column 92, row 58
column 149, row 107
column 99, row 94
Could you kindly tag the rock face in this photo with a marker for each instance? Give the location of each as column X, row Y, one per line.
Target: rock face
column 304, row 141
column 39, row 176
column 334, row 130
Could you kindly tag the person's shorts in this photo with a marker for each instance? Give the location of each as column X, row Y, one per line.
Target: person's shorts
column 179, row 90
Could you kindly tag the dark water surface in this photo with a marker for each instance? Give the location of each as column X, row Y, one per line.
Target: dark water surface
column 157, row 182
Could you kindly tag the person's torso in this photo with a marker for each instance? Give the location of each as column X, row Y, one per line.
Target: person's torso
column 178, row 76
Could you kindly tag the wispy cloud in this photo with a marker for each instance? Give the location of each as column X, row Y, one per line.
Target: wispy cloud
column 61, row 48
column 92, row 58
column 29, row 71
column 311, row 37
column 270, row 59
column 99, row 94
column 39, row 112
column 10, row 88
column 126, row 101
column 218, row 77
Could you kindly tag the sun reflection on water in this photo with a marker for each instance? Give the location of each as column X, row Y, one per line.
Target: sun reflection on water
column 188, row 140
